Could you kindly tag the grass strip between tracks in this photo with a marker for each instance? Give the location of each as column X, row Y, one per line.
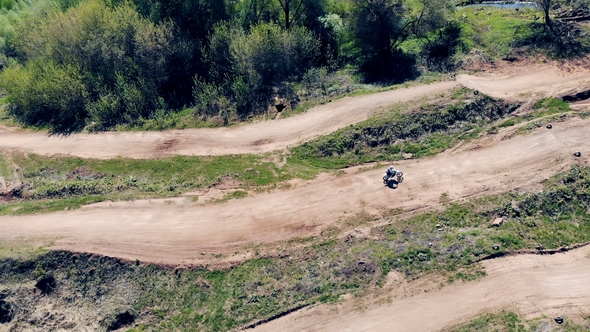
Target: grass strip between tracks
column 305, row 271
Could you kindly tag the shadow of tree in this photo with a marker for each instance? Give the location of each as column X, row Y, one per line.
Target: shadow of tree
column 563, row 40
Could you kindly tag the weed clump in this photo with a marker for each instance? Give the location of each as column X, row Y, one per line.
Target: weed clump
column 46, row 284
column 424, row 132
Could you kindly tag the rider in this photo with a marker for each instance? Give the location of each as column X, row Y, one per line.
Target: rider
column 390, row 172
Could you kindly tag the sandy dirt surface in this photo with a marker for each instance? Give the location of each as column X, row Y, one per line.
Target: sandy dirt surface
column 534, row 285
column 537, row 82
column 519, row 83
column 177, row 232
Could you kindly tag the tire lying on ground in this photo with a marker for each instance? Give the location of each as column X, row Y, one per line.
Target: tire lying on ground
column 577, row 154
column 549, row 126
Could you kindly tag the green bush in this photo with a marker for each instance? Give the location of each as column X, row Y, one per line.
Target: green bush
column 93, row 64
column 46, row 93
column 247, row 67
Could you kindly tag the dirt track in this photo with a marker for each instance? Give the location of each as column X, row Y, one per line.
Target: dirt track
column 177, row 233
column 533, row 285
column 279, row 134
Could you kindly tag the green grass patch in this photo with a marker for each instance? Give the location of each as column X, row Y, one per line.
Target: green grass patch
column 392, row 136
column 495, row 33
column 59, row 177
column 45, row 206
column 506, row 320
column 233, row 195
column 499, row 32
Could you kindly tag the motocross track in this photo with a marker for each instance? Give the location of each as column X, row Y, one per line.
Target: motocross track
column 178, row 233
column 534, row 285
column 513, row 83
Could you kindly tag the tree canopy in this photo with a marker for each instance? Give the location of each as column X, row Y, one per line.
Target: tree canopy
column 93, row 64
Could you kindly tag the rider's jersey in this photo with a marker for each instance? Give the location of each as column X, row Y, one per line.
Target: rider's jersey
column 391, row 171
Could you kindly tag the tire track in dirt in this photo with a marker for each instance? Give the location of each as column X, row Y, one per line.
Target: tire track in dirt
column 178, row 233
column 535, row 285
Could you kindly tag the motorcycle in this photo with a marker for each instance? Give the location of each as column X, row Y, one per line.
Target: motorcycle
column 398, row 177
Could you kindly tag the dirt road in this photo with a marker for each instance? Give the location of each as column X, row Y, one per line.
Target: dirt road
column 533, row 285
column 177, row 233
column 279, row 134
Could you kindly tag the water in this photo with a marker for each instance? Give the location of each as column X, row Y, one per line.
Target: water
column 504, row 5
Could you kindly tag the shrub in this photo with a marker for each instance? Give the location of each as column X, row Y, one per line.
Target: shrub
column 45, row 93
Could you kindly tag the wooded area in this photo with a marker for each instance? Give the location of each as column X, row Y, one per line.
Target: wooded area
column 70, row 65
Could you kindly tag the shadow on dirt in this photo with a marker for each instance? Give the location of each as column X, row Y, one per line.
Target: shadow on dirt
column 392, row 184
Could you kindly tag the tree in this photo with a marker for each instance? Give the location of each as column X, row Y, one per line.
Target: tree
column 381, row 26
column 289, row 7
column 545, row 6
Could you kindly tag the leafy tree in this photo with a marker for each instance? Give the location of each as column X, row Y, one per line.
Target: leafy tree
column 381, row 26
column 44, row 93
column 292, row 10
column 121, row 59
column 247, row 65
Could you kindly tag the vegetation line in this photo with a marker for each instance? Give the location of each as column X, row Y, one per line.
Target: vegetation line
column 277, row 316
column 533, row 252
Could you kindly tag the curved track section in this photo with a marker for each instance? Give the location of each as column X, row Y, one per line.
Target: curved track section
column 177, row 233
column 257, row 137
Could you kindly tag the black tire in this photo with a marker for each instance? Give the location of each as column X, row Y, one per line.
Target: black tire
column 400, row 174
column 476, row 92
column 400, row 179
